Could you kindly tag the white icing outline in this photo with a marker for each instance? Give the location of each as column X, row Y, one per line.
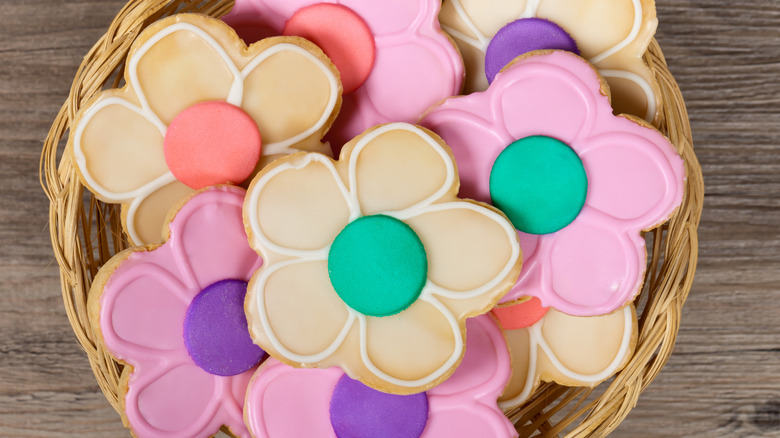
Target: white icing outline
column 283, row 147
column 536, row 340
column 259, row 291
column 414, row 209
column 456, row 353
column 433, row 288
column 652, row 100
column 260, row 239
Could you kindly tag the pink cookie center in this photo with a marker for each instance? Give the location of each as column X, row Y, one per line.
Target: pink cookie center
column 212, row 143
column 519, row 316
column 342, row 35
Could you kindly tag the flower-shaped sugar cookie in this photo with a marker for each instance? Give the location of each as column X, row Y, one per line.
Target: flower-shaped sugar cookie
column 196, row 107
column 175, row 315
column 611, row 34
column 394, row 59
column 372, row 262
column 579, row 183
column 289, row 402
column 547, row 345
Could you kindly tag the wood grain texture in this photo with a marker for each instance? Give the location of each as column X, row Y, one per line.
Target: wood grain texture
column 724, row 377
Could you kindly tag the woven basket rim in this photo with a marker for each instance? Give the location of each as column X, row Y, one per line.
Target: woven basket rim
column 81, row 248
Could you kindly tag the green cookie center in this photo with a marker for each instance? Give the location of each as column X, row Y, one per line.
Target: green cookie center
column 378, row 265
column 539, row 183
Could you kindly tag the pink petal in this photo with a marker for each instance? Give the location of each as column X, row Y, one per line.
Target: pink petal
column 475, row 421
column 475, row 142
column 595, row 267
column 634, row 176
column 283, row 401
column 389, row 17
column 179, row 402
column 484, row 370
column 209, row 239
column 530, row 275
column 407, row 79
column 143, row 307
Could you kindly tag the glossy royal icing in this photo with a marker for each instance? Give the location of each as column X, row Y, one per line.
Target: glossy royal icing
column 154, row 307
column 464, row 405
column 405, row 174
column 286, row 86
column 612, row 35
column 635, row 177
column 413, row 64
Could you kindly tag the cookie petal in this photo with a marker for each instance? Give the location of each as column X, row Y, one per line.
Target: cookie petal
column 594, row 268
column 419, row 167
column 634, row 178
column 470, row 248
column 387, row 18
column 181, row 401
column 118, row 149
column 585, row 350
column 209, row 238
column 297, row 206
column 146, row 215
column 291, row 93
column 278, row 391
column 477, row 420
column 485, row 368
column 180, row 65
column 524, row 379
column 137, row 294
column 414, row 347
column 294, row 305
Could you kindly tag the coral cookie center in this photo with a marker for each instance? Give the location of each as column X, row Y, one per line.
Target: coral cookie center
column 342, row 34
column 539, row 183
column 378, row 265
column 212, row 143
column 216, row 333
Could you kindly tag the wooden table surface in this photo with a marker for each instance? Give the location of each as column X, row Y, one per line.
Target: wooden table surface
column 723, row 379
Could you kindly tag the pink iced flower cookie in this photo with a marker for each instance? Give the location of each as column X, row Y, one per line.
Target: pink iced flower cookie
column 289, row 402
column 393, row 57
column 579, row 184
column 372, row 263
column 174, row 314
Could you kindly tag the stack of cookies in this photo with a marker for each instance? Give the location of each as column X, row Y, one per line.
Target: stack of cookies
column 375, row 219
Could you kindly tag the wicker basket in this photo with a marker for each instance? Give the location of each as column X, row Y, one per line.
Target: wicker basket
column 85, row 233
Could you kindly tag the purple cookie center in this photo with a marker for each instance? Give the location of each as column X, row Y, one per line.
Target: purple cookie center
column 523, row 36
column 357, row 411
column 216, row 333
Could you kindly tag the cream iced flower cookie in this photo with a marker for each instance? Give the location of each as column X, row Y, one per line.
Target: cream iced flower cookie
column 612, row 34
column 283, row 401
column 199, row 108
column 174, row 313
column 579, row 183
column 372, row 262
column 547, row 345
column 394, row 59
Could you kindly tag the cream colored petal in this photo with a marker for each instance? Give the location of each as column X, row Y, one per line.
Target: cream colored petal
column 145, row 218
column 488, row 17
column 179, row 66
column 469, row 247
column 306, row 319
column 523, row 357
column 117, row 149
column 298, row 204
column 291, row 94
column 598, row 26
column 414, row 347
column 585, row 350
column 397, row 166
column 633, row 93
